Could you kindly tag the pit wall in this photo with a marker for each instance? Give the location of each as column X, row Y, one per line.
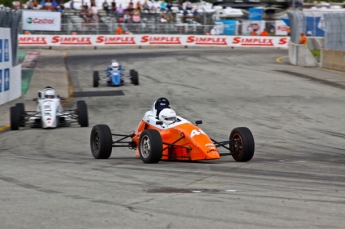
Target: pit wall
column 333, row 59
column 151, row 40
column 10, row 77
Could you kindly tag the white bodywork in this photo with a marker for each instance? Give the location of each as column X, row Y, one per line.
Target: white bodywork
column 48, row 113
column 151, row 118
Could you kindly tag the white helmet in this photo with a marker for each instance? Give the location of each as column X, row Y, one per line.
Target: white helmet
column 49, row 94
column 115, row 65
column 167, row 116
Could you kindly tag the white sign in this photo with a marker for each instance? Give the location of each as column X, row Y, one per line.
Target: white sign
column 41, row 20
column 140, row 40
column 281, row 28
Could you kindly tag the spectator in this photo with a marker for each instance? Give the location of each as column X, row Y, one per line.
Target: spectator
column 119, row 30
column 113, row 6
column 214, row 30
column 303, row 39
column 187, row 5
column 119, row 11
column 106, row 7
column 136, row 16
column 94, row 10
column 196, row 15
column 54, row 4
column 145, row 6
column 138, row 6
column 264, row 33
column 163, row 5
column 127, row 17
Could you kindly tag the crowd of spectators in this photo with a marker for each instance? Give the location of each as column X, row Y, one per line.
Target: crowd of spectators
column 51, row 5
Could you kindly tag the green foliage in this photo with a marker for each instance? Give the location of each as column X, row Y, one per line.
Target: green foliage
column 316, row 53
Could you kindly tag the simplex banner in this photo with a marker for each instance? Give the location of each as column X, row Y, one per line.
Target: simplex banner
column 10, row 77
column 161, row 40
column 41, row 20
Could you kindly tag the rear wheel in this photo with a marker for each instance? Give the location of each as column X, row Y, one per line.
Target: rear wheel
column 14, row 118
column 150, row 146
column 22, row 113
column 83, row 118
column 95, row 78
column 101, row 141
column 243, row 146
column 135, row 78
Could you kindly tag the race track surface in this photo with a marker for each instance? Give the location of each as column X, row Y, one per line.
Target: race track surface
column 296, row 179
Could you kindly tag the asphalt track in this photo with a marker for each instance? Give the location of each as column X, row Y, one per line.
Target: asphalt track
column 296, row 179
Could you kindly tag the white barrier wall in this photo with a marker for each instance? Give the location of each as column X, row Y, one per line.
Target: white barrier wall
column 161, row 40
column 10, row 77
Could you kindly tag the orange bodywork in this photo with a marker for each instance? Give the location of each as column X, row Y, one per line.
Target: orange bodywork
column 196, row 144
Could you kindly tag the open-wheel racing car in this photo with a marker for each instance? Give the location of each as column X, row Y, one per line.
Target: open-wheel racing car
column 162, row 135
column 49, row 112
column 115, row 75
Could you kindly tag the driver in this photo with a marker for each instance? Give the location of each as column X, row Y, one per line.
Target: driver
column 167, row 116
column 49, row 94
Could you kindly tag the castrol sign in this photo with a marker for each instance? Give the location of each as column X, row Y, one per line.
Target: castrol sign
column 41, row 20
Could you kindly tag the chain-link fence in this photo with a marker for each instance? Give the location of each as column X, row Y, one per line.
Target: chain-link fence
column 10, row 19
column 335, row 31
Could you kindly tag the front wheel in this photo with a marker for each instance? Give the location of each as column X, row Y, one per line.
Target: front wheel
column 135, row 78
column 150, row 146
column 242, row 146
column 83, row 118
column 101, row 141
column 95, row 79
column 14, row 118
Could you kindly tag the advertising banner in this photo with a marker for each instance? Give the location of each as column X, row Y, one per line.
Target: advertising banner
column 227, row 27
column 41, row 20
column 146, row 40
column 10, row 77
column 281, row 28
column 255, row 14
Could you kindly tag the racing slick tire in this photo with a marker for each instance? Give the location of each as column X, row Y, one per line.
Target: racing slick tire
column 150, row 146
column 243, row 149
column 83, row 118
column 95, row 78
column 14, row 118
column 22, row 113
column 101, row 141
column 135, row 78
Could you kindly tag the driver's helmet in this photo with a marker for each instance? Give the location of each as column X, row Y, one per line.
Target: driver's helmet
column 167, row 116
column 115, row 66
column 49, row 94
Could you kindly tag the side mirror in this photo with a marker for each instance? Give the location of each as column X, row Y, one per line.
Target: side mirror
column 159, row 123
column 35, row 99
column 40, row 94
column 198, row 122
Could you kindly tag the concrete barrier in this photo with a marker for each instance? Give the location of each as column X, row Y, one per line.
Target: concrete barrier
column 300, row 55
column 333, row 59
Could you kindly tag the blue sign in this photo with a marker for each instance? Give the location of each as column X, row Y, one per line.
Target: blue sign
column 0, row 80
column 228, row 27
column 0, row 50
column 255, row 14
column 6, row 79
column 7, row 51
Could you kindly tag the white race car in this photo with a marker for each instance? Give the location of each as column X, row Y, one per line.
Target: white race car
column 49, row 112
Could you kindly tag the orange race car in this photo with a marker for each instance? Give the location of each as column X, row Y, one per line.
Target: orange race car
column 162, row 135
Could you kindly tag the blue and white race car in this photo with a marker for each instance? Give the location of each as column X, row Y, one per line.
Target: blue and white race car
column 115, row 75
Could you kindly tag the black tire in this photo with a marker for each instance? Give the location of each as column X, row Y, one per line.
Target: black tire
column 150, row 146
column 14, row 118
column 83, row 118
column 243, row 149
column 22, row 114
column 131, row 72
column 135, row 78
column 101, row 141
column 95, row 78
